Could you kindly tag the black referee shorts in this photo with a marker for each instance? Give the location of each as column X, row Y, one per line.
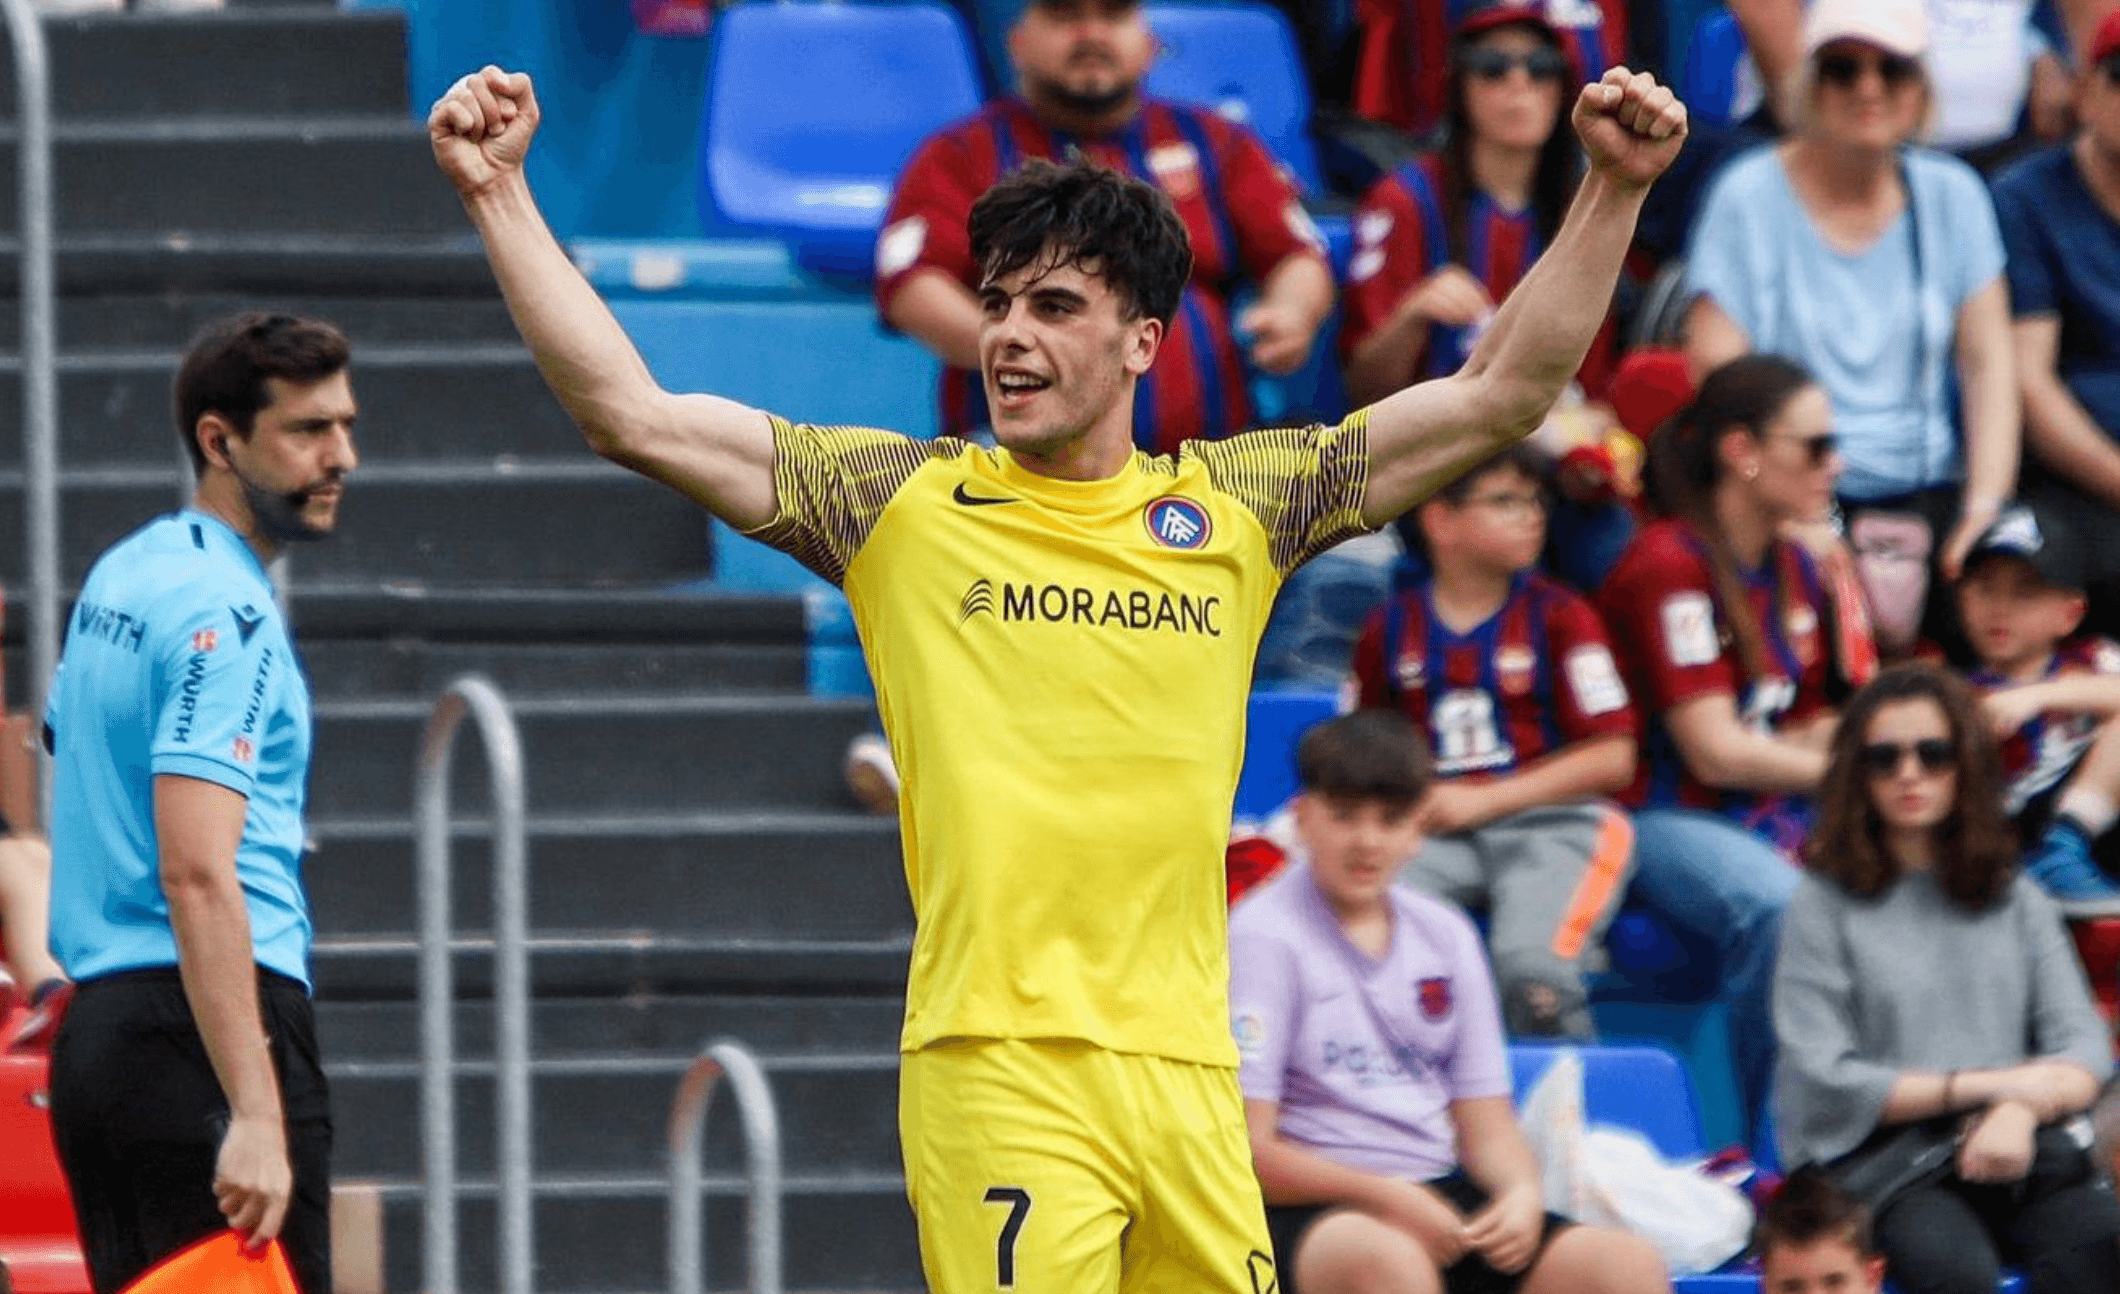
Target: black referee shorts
column 138, row 1116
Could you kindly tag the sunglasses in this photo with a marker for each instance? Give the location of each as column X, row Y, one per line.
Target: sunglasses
column 1816, row 449
column 1495, row 64
column 1885, row 758
column 1844, row 70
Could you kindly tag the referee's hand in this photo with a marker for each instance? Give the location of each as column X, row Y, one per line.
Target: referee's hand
column 253, row 1180
column 481, row 128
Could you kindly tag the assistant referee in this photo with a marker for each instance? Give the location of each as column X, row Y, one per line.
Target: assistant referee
column 186, row 1090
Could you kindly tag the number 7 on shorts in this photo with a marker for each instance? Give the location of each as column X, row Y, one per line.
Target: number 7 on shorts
column 1019, row 1207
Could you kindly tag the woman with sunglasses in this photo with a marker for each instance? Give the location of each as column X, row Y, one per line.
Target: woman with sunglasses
column 1938, row 1038
column 1731, row 650
column 1442, row 239
column 1878, row 266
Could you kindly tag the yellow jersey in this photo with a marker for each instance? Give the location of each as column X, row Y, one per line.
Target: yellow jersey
column 1063, row 668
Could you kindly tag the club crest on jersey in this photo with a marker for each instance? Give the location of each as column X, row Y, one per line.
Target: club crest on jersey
column 1435, row 996
column 1177, row 169
column 1514, row 666
column 1412, row 671
column 1177, row 522
column 1802, row 624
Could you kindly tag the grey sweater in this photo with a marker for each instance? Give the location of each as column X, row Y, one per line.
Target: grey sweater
column 1867, row 988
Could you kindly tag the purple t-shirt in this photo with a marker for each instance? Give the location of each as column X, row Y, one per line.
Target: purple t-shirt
column 1364, row 1055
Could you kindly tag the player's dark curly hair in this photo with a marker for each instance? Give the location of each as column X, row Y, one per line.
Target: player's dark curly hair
column 224, row 372
column 1116, row 227
column 1367, row 755
column 1976, row 850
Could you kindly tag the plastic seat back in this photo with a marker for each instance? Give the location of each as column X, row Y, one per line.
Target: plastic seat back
column 36, row 1213
column 1240, row 60
column 812, row 109
column 1709, row 81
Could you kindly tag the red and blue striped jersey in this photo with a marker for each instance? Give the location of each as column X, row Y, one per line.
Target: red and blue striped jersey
column 2040, row 756
column 1403, row 71
column 1240, row 208
column 1402, row 237
column 1674, row 643
column 1535, row 677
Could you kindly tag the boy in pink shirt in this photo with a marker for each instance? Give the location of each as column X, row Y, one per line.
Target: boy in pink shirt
column 1376, row 1081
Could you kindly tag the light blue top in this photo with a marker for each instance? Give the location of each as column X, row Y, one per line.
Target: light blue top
column 1847, row 317
column 176, row 662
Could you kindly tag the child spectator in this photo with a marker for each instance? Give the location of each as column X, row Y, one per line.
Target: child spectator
column 1729, row 645
column 1375, row 1079
column 1509, row 676
column 2054, row 698
column 1814, row 1238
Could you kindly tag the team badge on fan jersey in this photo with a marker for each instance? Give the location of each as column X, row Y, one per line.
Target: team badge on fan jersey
column 1801, row 625
column 1515, row 665
column 1177, row 168
column 1178, row 522
column 1435, row 996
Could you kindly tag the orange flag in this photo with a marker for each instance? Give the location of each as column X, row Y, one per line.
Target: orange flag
column 218, row 1265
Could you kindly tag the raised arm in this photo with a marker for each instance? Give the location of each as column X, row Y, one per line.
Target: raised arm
column 1425, row 435
column 715, row 451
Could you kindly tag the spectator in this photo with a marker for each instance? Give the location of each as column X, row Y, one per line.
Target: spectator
column 1509, row 676
column 1815, row 1238
column 2060, row 215
column 1444, row 237
column 1723, row 631
column 1937, row 1032
column 2054, row 699
column 1080, row 64
column 1880, row 269
column 1376, row 1084
column 1403, row 43
column 2001, row 86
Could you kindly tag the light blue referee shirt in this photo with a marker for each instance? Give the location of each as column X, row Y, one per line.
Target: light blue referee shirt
column 177, row 661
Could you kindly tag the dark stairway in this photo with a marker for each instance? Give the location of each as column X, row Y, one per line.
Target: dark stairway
column 696, row 867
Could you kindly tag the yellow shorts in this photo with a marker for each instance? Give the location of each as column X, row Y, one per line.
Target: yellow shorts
column 1057, row 1167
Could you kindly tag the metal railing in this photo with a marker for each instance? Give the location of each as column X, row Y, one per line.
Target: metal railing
column 40, row 391
column 761, row 1139
column 473, row 694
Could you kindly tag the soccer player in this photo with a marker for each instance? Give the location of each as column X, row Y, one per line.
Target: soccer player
column 1061, row 631
column 186, row 1091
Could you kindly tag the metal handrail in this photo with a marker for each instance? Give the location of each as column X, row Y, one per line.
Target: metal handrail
column 477, row 696
column 761, row 1138
column 40, row 390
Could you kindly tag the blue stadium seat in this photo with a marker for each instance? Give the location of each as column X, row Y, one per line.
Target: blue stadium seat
column 1240, row 60
column 1643, row 1088
column 1709, row 81
column 1276, row 720
column 811, row 111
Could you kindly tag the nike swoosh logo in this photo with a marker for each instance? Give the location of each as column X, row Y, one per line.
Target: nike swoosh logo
column 975, row 500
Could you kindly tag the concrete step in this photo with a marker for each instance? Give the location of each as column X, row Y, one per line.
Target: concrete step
column 663, row 1025
column 288, row 61
column 312, row 175
column 603, row 963
column 263, row 261
column 597, row 1234
column 738, row 875
column 420, row 402
column 531, row 642
column 595, row 1114
column 603, row 755
column 163, row 322
column 438, row 525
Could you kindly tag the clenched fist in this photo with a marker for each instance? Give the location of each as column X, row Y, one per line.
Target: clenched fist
column 481, row 128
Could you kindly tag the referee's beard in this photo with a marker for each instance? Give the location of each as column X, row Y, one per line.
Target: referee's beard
column 282, row 517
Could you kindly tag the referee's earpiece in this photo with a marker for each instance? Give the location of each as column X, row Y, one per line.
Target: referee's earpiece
column 220, row 444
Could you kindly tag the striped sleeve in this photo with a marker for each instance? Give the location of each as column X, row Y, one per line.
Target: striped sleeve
column 830, row 484
column 1305, row 485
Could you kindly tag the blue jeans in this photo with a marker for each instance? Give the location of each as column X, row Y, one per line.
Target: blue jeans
column 1719, row 885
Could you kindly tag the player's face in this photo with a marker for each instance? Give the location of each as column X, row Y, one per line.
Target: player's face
column 1913, row 795
column 1797, row 460
column 294, row 463
column 1513, row 84
column 1058, row 357
column 2012, row 617
column 1088, row 56
column 1826, row 1266
column 1356, row 846
column 1864, row 97
column 1501, row 522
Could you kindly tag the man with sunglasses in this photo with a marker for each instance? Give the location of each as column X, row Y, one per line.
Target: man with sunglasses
column 2060, row 217
column 1080, row 65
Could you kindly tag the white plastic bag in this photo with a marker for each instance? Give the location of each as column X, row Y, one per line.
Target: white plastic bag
column 1615, row 1177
